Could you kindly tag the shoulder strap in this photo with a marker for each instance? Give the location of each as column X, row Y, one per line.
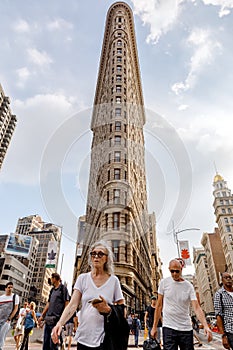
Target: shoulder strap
column 13, row 302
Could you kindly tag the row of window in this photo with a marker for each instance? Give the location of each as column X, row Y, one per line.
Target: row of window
column 224, row 211
column 227, row 220
column 118, row 174
column 226, row 201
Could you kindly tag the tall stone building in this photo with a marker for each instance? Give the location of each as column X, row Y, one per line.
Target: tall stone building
column 214, row 257
column 43, row 232
column 7, row 124
column 117, row 197
column 223, row 210
column 202, row 280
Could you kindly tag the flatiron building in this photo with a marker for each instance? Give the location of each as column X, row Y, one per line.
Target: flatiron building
column 117, row 196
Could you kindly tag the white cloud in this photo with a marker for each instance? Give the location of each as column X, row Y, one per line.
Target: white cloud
column 21, row 26
column 39, row 58
column 211, row 132
column 23, row 75
column 183, row 107
column 205, row 49
column 159, row 15
column 38, row 117
column 59, row 24
column 225, row 6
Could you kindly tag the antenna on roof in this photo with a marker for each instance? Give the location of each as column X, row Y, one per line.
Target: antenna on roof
column 215, row 168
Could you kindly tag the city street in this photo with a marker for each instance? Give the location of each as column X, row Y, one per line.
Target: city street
column 216, row 344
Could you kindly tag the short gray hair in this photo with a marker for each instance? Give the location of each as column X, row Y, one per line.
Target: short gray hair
column 108, row 266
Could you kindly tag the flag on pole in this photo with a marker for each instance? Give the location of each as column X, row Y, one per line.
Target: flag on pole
column 52, row 254
column 185, row 252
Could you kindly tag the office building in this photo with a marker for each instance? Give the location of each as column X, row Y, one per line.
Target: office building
column 7, row 124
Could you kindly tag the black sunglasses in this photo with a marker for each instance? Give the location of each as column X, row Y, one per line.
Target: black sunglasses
column 175, row 271
column 97, row 254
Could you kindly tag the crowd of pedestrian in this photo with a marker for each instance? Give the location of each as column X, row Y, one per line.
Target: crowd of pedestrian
column 101, row 322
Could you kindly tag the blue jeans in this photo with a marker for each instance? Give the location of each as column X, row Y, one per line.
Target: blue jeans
column 4, row 328
column 48, row 344
column 172, row 339
column 230, row 339
column 136, row 333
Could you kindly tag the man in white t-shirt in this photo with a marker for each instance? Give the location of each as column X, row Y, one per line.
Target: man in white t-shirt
column 174, row 297
column 8, row 308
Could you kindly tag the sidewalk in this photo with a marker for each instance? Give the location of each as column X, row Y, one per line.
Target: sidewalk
column 37, row 337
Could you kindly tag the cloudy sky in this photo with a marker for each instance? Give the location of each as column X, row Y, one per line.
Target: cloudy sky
column 49, row 62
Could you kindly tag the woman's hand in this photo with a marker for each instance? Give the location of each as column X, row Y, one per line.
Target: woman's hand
column 56, row 333
column 102, row 306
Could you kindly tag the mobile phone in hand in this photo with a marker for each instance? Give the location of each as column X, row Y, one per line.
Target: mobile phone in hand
column 95, row 301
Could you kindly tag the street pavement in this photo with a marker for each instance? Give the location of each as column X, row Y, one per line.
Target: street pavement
column 216, row 344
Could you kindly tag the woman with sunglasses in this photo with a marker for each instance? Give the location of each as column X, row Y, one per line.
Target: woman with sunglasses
column 96, row 290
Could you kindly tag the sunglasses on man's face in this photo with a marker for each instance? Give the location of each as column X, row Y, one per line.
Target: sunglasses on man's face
column 97, row 254
column 174, row 271
column 227, row 277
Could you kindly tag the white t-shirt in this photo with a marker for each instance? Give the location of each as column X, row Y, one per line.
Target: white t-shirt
column 6, row 306
column 177, row 297
column 90, row 330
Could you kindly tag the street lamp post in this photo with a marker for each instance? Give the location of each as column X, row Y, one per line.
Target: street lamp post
column 176, row 233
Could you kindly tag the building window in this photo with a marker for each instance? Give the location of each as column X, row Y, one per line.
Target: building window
column 221, row 202
column 118, row 112
column 117, row 126
column 115, row 250
column 229, row 210
column 126, row 222
column 108, row 175
column 118, row 88
column 228, row 228
column 118, row 78
column 231, row 220
column 116, row 221
column 119, row 69
column 117, row 156
column 117, row 174
column 119, row 59
column 110, row 127
column 119, row 51
column 226, row 220
column 118, row 99
column 230, row 238
column 119, row 43
column 117, row 140
column 109, row 158
column 116, row 196
column 107, row 197
column 106, row 221
column 223, row 211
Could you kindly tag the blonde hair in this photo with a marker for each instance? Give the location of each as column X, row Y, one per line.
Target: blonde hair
column 33, row 305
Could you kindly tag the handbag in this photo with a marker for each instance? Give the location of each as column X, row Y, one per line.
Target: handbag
column 51, row 320
column 151, row 344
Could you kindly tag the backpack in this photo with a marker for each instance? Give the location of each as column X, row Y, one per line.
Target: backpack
column 17, row 312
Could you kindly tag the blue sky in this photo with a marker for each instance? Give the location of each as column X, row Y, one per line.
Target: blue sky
column 49, row 62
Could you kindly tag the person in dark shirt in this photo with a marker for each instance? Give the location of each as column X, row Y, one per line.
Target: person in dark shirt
column 149, row 318
column 58, row 300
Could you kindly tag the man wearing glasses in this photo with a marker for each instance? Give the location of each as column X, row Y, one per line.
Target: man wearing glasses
column 223, row 305
column 174, row 297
